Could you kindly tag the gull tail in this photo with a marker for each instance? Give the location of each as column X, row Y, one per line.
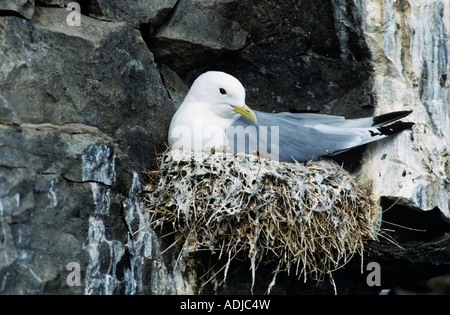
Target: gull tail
column 385, row 119
column 383, row 126
column 383, row 131
column 394, row 128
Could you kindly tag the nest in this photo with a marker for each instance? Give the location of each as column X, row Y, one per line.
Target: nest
column 307, row 218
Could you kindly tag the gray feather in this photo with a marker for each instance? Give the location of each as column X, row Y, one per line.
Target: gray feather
column 302, row 137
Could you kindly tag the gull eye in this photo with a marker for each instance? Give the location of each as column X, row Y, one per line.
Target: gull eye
column 222, row 91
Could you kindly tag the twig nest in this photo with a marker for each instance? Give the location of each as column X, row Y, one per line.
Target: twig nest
column 311, row 218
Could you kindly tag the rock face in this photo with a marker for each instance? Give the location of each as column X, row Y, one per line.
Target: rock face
column 196, row 23
column 71, row 192
column 113, row 62
column 24, row 8
column 134, row 12
column 413, row 45
column 83, row 109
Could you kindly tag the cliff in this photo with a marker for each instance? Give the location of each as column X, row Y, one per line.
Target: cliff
column 86, row 99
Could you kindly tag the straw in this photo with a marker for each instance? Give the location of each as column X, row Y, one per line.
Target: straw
column 309, row 219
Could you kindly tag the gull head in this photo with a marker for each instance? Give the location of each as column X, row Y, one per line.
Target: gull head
column 221, row 94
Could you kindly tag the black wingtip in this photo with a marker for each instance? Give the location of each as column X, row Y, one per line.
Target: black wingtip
column 395, row 128
column 385, row 119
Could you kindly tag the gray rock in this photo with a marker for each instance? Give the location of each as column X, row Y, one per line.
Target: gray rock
column 69, row 195
column 45, row 204
column 55, row 3
column 7, row 113
column 111, row 83
column 70, row 192
column 410, row 69
column 196, row 34
column 175, row 86
column 23, row 7
column 135, row 12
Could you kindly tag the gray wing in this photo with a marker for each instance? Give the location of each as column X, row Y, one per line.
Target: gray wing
column 342, row 122
column 330, row 120
column 302, row 137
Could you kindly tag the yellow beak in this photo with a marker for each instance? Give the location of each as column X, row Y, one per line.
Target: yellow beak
column 246, row 112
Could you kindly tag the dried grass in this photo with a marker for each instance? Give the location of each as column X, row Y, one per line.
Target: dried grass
column 308, row 219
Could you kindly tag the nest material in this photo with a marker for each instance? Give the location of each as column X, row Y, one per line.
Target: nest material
column 309, row 218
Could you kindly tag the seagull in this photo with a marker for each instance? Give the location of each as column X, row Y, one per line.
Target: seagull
column 214, row 115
